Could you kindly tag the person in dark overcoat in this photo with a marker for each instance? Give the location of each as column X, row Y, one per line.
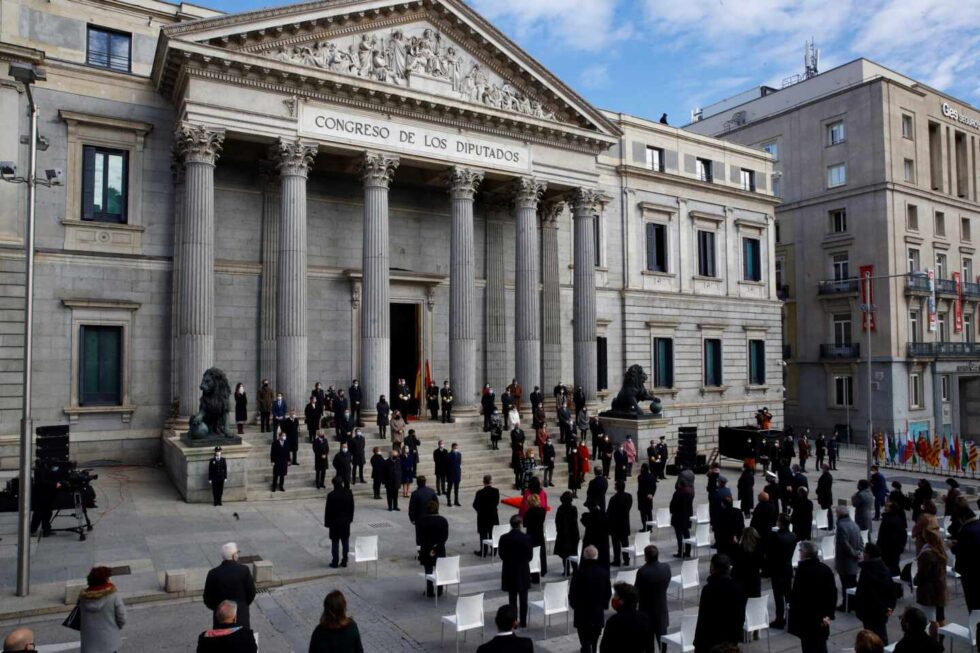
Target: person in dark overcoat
column 646, row 489
column 779, row 561
column 356, row 396
column 966, row 547
column 566, row 531
column 265, row 397
column 812, row 600
column 548, row 460
column 418, row 504
column 588, row 597
column 341, row 465
column 802, row 516
column 595, row 494
column 290, row 427
column 729, row 525
column 384, row 416
column 357, row 445
column 534, row 518
column 230, row 581
column 746, row 489
column 446, row 402
column 433, row 533
column 875, row 596
column 681, row 511
column 485, row 502
column 432, row 401
column 620, row 505
column 217, row 475
column 487, row 406
column 377, row 471
column 825, row 494
column 628, row 629
column 892, row 537
column 440, row 459
column 321, row 453
column 748, row 561
column 393, row 479
column 652, row 581
column 574, row 467
column 279, row 457
column 721, row 612
column 515, row 551
column 311, row 417
column 337, row 516
column 454, row 474
column 596, row 525
column 241, row 408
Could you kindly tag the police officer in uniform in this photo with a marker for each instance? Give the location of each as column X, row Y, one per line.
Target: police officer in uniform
column 403, row 396
column 432, row 401
column 662, row 453
column 446, row 397
column 217, row 473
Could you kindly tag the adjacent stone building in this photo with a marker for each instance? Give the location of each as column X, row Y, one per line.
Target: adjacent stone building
column 340, row 190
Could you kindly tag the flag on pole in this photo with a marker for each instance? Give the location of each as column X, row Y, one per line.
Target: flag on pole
column 922, row 448
column 908, row 451
column 954, row 459
column 934, row 451
column 428, row 374
column 964, row 454
column 973, row 456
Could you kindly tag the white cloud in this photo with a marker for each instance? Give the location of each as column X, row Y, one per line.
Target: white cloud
column 587, row 25
column 595, row 76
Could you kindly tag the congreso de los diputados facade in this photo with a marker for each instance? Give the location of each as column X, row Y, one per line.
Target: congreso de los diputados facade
column 361, row 189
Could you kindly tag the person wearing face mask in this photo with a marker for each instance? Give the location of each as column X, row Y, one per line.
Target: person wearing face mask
column 432, row 401
column 341, row 465
column 265, row 397
column 241, row 408
column 278, row 412
column 393, row 479
column 321, row 450
column 357, row 456
column 341, row 416
column 455, row 474
column 279, row 456
column 290, row 426
column 440, row 456
column 384, row 413
column 312, row 415
column 446, row 400
column 355, row 395
column 217, row 473
column 337, row 516
column 548, row 460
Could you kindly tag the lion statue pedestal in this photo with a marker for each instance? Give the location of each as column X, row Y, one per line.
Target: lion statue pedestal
column 209, row 426
column 629, row 418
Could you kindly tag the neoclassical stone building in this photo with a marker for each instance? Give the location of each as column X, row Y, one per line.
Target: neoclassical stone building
column 356, row 189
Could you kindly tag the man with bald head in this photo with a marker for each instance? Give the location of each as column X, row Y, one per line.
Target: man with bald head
column 764, row 515
column 21, row 639
column 227, row 635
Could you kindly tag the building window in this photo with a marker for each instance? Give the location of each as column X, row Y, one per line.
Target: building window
column 965, row 234
column 840, row 267
column 602, row 364
column 838, row 221
column 663, row 362
column 656, row 247
column 702, row 168
column 913, row 326
column 940, row 223
column 913, row 260
column 968, row 270
column 836, row 133
column 108, row 49
column 712, row 362
column 843, row 391
column 757, row 362
column 655, row 158
column 968, row 335
column 104, row 188
column 597, row 238
column 780, row 272
column 777, row 186
column 706, row 254
column 842, row 329
column 100, row 372
column 907, row 131
column 941, row 266
column 909, row 171
column 944, row 387
column 748, row 180
column 836, row 175
column 943, row 334
column 751, row 259
column 912, row 217
column 915, row 390
column 772, row 149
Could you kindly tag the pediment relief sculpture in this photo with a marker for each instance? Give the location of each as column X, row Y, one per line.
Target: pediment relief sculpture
column 416, row 57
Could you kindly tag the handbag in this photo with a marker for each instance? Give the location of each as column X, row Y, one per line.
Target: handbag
column 73, row 620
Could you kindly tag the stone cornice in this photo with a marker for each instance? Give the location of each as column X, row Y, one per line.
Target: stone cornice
column 74, row 117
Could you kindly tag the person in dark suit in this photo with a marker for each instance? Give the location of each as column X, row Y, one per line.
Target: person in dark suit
column 454, row 474
column 596, row 524
column 418, row 504
column 746, row 489
column 779, row 560
column 432, row 401
column 384, row 416
column 404, row 397
column 230, row 581
column 728, row 527
column 217, row 474
column 595, row 495
column 825, row 494
column 290, row 426
column 356, row 396
column 488, row 406
column 321, row 452
column 515, row 551
column 628, row 629
column 440, row 457
column 341, row 416
column 433, row 533
column 377, row 471
column 311, row 417
column 393, row 479
column 721, row 611
column 506, row 641
column 278, row 412
column 764, row 515
column 916, row 638
column 681, row 511
column 279, row 457
column 620, row 505
column 567, row 535
column 620, row 464
column 337, row 516
column 588, row 596
column 506, row 401
column 356, row 446
column 227, row 636
column 875, row 596
column 341, row 464
column 812, row 601
column 652, row 581
column 578, row 398
column 485, row 502
column 446, row 402
column 548, row 460
column 646, row 489
column 801, row 518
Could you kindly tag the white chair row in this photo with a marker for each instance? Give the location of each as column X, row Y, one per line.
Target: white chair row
column 756, row 619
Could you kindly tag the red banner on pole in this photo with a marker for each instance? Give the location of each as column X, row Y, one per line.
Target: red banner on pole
column 958, row 306
column 867, row 298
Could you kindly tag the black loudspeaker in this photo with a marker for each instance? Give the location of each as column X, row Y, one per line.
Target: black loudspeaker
column 687, row 446
column 52, row 443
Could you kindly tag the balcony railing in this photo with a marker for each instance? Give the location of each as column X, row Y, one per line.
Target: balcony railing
column 971, row 290
column 837, row 287
column 917, row 282
column 944, row 349
column 852, row 350
column 946, row 286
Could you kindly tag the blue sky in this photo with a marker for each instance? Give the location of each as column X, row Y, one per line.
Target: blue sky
column 646, row 57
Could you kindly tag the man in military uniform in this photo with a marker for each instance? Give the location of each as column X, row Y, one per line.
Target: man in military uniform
column 403, row 396
column 217, row 473
column 662, row 453
column 446, row 396
column 432, row 401
column 355, row 395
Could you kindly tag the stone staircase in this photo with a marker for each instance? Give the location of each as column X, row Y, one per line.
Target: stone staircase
column 478, row 459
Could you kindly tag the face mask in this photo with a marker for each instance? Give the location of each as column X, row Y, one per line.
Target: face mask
column 344, row 449
column 217, row 456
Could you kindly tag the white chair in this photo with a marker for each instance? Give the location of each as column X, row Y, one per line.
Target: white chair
column 701, row 539
column 446, row 573
column 550, row 531
column 577, row 558
column 687, row 579
column 683, row 639
column 851, row 511
column 640, row 541
column 469, row 616
column 849, row 595
column 494, row 540
column 554, row 601
column 951, row 573
column 865, row 536
column 702, row 514
column 661, row 518
column 828, row 548
column 757, row 617
column 820, row 519
column 535, row 564
column 796, row 557
column 966, row 633
column 628, row 577
column 366, row 550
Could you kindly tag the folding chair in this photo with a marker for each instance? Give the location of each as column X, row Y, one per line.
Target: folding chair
column 469, row 616
column 494, row 540
column 577, row 558
column 820, row 519
column 683, row 639
column 701, row 539
column 554, row 601
column 865, row 536
column 828, row 548
column 550, row 532
column 951, row 573
column 446, row 573
column 661, row 518
column 702, row 514
column 967, row 634
column 796, row 556
column 535, row 564
column 366, row 550
column 757, row 617
column 640, row 541
column 687, row 579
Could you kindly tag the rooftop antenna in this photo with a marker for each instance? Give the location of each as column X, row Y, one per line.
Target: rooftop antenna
column 811, row 56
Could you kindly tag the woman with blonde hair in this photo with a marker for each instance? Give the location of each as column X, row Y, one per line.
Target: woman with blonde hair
column 336, row 632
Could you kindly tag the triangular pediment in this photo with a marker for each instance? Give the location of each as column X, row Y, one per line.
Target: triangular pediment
column 438, row 48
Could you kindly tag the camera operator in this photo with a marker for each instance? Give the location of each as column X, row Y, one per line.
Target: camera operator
column 42, row 501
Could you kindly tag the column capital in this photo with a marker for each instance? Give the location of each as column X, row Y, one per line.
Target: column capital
column 463, row 182
column 293, row 157
column 198, row 143
column 550, row 214
column 378, row 169
column 586, row 201
column 528, row 191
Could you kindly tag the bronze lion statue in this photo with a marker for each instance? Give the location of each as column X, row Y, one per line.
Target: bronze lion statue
column 211, row 420
column 633, row 392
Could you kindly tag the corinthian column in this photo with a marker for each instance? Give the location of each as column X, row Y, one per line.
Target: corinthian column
column 267, row 292
column 293, row 160
column 527, row 328
column 377, row 171
column 197, row 146
column 463, row 183
column 550, row 297
column 584, row 206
